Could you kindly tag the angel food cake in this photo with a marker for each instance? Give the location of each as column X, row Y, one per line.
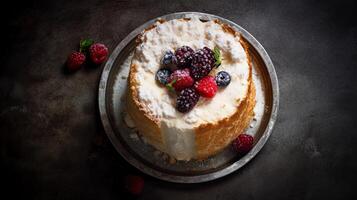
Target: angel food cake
column 191, row 91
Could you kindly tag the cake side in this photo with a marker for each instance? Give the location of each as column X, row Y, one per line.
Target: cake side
column 146, row 124
column 212, row 138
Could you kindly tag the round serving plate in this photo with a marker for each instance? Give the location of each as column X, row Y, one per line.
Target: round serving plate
column 134, row 149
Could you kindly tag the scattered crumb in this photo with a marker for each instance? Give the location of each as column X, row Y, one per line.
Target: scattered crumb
column 128, row 121
column 123, row 77
column 172, row 160
column 251, row 126
column 134, row 136
column 254, row 119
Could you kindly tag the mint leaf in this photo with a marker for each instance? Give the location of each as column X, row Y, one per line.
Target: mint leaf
column 85, row 44
column 170, row 85
column 217, row 57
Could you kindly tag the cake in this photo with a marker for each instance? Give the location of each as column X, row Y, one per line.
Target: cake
column 212, row 123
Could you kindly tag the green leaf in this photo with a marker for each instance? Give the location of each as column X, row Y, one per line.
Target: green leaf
column 170, row 85
column 217, row 56
column 85, row 44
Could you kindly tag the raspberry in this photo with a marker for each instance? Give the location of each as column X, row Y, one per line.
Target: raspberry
column 134, row 184
column 98, row 53
column 243, row 143
column 202, row 63
column 184, row 56
column 75, row 60
column 186, row 100
column 206, row 87
column 180, row 79
column 162, row 75
column 223, row 79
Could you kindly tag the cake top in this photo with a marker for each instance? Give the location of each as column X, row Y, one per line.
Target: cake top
column 196, row 34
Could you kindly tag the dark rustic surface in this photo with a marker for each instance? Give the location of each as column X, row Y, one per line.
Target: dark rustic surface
column 52, row 142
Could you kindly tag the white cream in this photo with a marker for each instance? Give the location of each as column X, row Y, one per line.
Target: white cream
column 177, row 128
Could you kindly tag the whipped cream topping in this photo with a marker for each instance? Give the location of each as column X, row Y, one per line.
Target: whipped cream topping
column 178, row 128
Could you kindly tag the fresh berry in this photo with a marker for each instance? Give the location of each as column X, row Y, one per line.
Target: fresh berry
column 202, row 63
column 180, row 79
column 186, row 100
column 134, row 184
column 98, row 53
column 75, row 60
column 184, row 56
column 223, row 79
column 169, row 59
column 243, row 143
column 206, row 87
column 162, row 75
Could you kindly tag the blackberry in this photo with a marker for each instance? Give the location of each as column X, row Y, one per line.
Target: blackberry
column 169, row 59
column 187, row 99
column 184, row 56
column 202, row 63
column 163, row 75
column 223, row 79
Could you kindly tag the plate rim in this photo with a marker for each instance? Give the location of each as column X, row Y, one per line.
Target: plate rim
column 195, row 178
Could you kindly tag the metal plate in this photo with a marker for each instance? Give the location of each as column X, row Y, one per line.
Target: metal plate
column 112, row 94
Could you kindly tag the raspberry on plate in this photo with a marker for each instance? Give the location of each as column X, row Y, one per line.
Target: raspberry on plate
column 180, row 79
column 184, row 56
column 75, row 60
column 243, row 143
column 98, row 53
column 202, row 63
column 186, row 100
column 206, row 87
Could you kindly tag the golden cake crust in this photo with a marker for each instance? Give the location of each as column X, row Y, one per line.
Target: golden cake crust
column 210, row 138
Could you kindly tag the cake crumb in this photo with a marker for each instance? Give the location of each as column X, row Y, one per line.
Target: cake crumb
column 128, row 121
column 134, row 136
column 172, row 160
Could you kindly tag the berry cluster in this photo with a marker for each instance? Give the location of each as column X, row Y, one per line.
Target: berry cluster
column 97, row 53
column 186, row 72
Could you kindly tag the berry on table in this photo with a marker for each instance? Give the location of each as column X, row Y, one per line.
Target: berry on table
column 206, row 87
column 202, row 63
column 243, row 143
column 180, row 79
column 186, row 100
column 184, row 56
column 134, row 184
column 223, row 79
column 98, row 53
column 162, row 75
column 75, row 60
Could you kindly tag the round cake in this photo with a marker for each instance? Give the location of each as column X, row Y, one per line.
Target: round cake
column 197, row 125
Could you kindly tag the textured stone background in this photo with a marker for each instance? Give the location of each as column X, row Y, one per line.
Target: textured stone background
column 52, row 145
